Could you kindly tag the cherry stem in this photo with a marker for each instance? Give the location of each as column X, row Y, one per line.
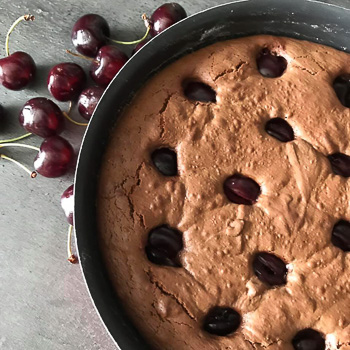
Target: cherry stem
column 66, row 114
column 81, row 56
column 16, row 138
column 32, row 174
column 19, row 145
column 71, row 257
column 14, row 25
column 148, row 26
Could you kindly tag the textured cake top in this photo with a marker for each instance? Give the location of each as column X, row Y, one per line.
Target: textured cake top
column 224, row 199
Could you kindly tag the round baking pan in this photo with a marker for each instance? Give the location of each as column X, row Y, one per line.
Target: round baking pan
column 301, row 19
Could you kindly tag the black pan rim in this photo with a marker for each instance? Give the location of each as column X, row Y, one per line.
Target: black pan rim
column 301, row 19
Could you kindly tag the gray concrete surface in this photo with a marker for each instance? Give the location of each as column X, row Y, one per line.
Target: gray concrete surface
column 43, row 300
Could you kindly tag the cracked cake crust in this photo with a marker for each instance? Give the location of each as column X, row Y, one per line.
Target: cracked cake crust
column 300, row 202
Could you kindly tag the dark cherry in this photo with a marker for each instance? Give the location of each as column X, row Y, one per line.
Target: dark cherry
column 341, row 86
column 165, row 16
column 67, row 203
column 309, row 339
column 54, row 158
column 340, row 164
column 165, row 160
column 270, row 65
column 88, row 100
column 222, row 321
column 197, row 91
column 17, row 70
column 140, row 46
column 65, row 81
column 41, row 117
column 240, row 189
column 89, row 34
column 280, row 129
column 341, row 235
column 270, row 269
column 107, row 64
column 164, row 245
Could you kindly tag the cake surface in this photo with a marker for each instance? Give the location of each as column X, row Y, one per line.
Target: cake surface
column 300, row 201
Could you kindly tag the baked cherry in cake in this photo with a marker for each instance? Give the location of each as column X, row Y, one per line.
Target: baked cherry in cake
column 164, row 245
column 270, row 65
column 309, row 339
column 279, row 129
column 241, row 189
column 165, row 161
column 221, row 321
column 341, row 87
column 340, row 164
column 341, row 235
column 198, row 91
column 270, row 269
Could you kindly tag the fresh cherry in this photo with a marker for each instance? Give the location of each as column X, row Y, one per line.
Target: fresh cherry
column 222, row 321
column 67, row 203
column 197, row 91
column 88, row 100
column 140, row 46
column 308, row 339
column 270, row 269
column 42, row 117
column 89, row 34
column 165, row 16
column 107, row 64
column 340, row 164
column 165, row 160
column 270, row 65
column 280, row 129
column 54, row 158
column 164, row 245
column 341, row 86
column 18, row 69
column 240, row 189
column 341, row 235
column 65, row 81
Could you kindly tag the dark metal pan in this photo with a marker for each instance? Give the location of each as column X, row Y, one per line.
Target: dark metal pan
column 302, row 19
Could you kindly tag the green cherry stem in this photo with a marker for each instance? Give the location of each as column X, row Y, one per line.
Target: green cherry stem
column 66, row 115
column 32, row 174
column 19, row 145
column 14, row 25
column 16, row 138
column 71, row 257
column 148, row 26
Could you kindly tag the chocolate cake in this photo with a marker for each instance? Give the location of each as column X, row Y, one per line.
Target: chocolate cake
column 223, row 201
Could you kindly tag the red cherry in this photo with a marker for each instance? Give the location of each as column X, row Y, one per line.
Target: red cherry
column 88, row 100
column 67, row 203
column 107, row 64
column 42, row 117
column 140, row 45
column 17, row 70
column 65, row 81
column 54, row 158
column 165, row 16
column 89, row 34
